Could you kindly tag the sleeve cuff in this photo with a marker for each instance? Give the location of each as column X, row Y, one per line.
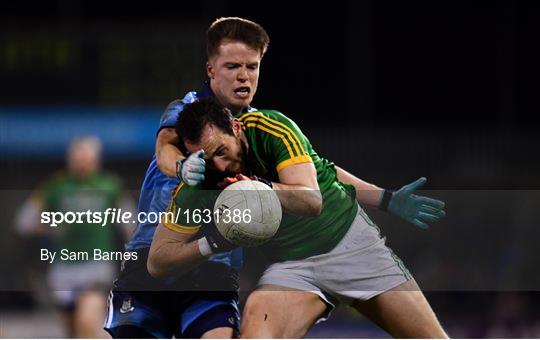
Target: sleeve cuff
column 293, row 161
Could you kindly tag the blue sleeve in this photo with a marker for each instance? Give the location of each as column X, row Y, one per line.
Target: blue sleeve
column 170, row 116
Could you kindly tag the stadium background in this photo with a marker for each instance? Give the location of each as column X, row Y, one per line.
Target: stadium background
column 390, row 91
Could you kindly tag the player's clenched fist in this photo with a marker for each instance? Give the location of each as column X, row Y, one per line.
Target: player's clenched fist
column 191, row 170
column 230, row 180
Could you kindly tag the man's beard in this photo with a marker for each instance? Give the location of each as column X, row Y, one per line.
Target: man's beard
column 213, row 177
column 241, row 156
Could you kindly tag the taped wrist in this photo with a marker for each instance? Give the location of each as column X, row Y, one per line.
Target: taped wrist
column 204, row 247
column 385, row 200
column 213, row 243
column 179, row 164
column 263, row 180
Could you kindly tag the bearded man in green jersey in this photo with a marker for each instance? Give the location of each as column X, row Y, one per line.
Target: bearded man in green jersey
column 326, row 251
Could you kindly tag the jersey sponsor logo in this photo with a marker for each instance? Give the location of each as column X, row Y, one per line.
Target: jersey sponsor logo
column 126, row 306
column 231, row 320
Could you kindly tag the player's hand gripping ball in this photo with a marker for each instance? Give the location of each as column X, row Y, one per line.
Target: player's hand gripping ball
column 247, row 213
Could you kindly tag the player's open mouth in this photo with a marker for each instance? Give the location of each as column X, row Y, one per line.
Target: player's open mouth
column 242, row 92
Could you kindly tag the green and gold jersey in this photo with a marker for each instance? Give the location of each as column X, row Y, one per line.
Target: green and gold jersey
column 276, row 142
column 65, row 193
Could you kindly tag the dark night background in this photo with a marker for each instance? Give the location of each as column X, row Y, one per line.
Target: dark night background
column 391, row 91
column 442, row 89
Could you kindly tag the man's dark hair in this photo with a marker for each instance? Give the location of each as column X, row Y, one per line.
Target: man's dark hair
column 236, row 29
column 195, row 116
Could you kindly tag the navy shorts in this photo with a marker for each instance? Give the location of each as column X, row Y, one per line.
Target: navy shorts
column 186, row 307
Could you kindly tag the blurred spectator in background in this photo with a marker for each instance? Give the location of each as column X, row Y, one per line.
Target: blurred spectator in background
column 78, row 285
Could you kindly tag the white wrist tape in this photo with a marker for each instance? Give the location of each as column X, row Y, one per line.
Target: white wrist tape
column 204, row 247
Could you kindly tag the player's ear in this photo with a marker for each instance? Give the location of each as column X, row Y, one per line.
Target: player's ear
column 209, row 70
column 236, row 126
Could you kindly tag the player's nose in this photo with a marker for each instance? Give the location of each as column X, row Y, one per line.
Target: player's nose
column 242, row 74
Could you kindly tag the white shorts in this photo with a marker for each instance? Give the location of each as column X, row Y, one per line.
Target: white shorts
column 360, row 267
column 68, row 280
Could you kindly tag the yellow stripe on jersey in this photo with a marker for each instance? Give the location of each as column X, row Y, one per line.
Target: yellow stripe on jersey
column 275, row 134
column 292, row 161
column 269, row 121
column 176, row 190
column 275, row 128
column 172, row 208
column 287, row 162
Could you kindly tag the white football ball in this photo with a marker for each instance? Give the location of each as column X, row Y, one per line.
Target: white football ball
column 247, row 213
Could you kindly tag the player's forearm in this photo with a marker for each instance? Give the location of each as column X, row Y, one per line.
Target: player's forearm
column 172, row 258
column 299, row 200
column 366, row 193
column 167, row 152
column 169, row 256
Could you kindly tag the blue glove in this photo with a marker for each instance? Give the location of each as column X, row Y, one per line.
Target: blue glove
column 418, row 210
column 191, row 170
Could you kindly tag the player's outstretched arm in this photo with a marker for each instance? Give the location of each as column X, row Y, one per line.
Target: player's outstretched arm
column 366, row 193
column 416, row 209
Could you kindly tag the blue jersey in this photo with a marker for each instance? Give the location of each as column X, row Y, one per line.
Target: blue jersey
column 157, row 188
